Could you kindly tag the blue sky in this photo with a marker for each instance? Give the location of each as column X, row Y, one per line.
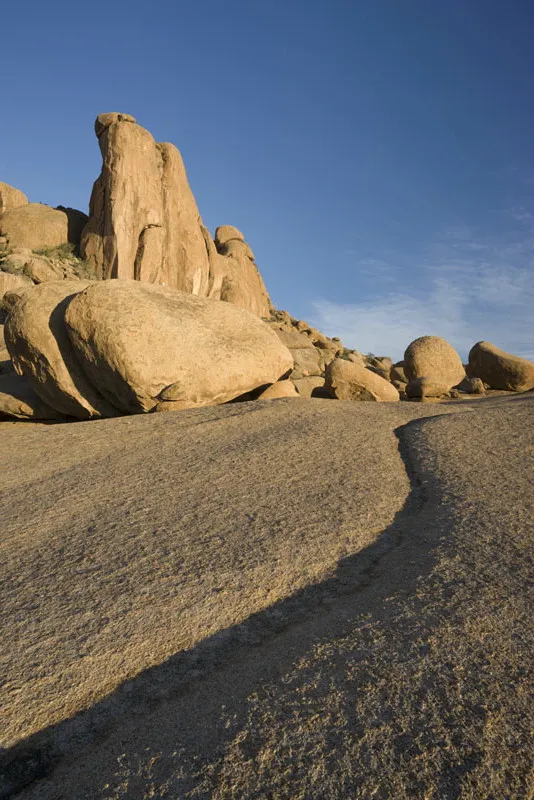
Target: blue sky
column 377, row 154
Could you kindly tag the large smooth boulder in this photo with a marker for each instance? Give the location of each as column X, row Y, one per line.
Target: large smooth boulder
column 10, row 198
column 433, row 358
column 144, row 223
column 349, row 381
column 17, row 399
column 145, row 344
column 421, row 388
column 500, row 370
column 39, row 227
column 40, row 349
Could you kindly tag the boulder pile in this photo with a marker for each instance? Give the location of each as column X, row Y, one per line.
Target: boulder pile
column 101, row 349
column 137, row 308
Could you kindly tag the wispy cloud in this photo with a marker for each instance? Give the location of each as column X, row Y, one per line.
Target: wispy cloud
column 466, row 287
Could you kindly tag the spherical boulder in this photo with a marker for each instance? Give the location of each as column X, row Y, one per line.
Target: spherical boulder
column 433, row 358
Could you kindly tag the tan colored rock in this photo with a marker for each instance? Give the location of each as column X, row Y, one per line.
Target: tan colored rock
column 10, row 282
column 143, row 344
column 279, row 389
column 144, row 223
column 39, row 227
column 433, row 358
column 17, row 399
column 241, row 283
column 311, row 387
column 419, row 388
column 472, row 386
column 103, row 121
column 225, row 234
column 41, row 270
column 349, row 381
column 40, row 348
column 10, row 198
column 397, row 373
column 500, row 370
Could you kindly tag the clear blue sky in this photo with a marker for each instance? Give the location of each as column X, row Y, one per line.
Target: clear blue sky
column 377, row 154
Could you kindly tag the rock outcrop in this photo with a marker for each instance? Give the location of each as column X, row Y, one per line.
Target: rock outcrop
column 10, row 198
column 349, row 381
column 433, row 358
column 110, row 347
column 17, row 399
column 500, row 370
column 142, row 345
column 41, row 351
column 145, row 225
column 36, row 226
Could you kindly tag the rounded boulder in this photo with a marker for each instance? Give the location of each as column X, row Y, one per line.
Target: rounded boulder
column 433, row 358
column 143, row 344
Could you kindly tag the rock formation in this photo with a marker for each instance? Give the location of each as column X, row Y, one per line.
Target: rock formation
column 349, row 381
column 36, row 226
column 145, row 225
column 435, row 359
column 10, row 198
column 500, row 370
column 104, row 348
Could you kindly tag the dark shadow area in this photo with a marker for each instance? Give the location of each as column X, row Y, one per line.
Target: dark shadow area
column 76, row 222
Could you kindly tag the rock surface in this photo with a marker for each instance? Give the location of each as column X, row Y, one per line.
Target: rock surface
column 145, row 224
column 500, row 370
column 142, row 344
column 17, row 399
column 279, row 389
column 41, row 351
column 10, row 198
column 433, row 358
column 36, row 226
column 347, row 380
column 373, row 637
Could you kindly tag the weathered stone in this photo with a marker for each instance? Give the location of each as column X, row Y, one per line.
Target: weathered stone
column 41, row 270
column 39, row 227
column 240, row 281
column 41, row 351
column 143, row 344
column 311, row 387
column 17, row 399
column 279, row 389
column 397, row 373
column 418, row 388
column 10, row 198
column 500, row 370
column 349, row 381
column 472, row 386
column 225, row 234
column 144, row 222
column 435, row 359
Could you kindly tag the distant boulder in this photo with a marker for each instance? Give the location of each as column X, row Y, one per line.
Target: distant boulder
column 10, row 198
column 433, row 358
column 500, row 370
column 349, row 381
column 38, row 227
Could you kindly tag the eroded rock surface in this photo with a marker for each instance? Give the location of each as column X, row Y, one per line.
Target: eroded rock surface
column 500, row 370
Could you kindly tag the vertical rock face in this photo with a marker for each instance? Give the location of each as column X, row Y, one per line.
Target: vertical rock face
column 10, row 198
column 144, row 223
